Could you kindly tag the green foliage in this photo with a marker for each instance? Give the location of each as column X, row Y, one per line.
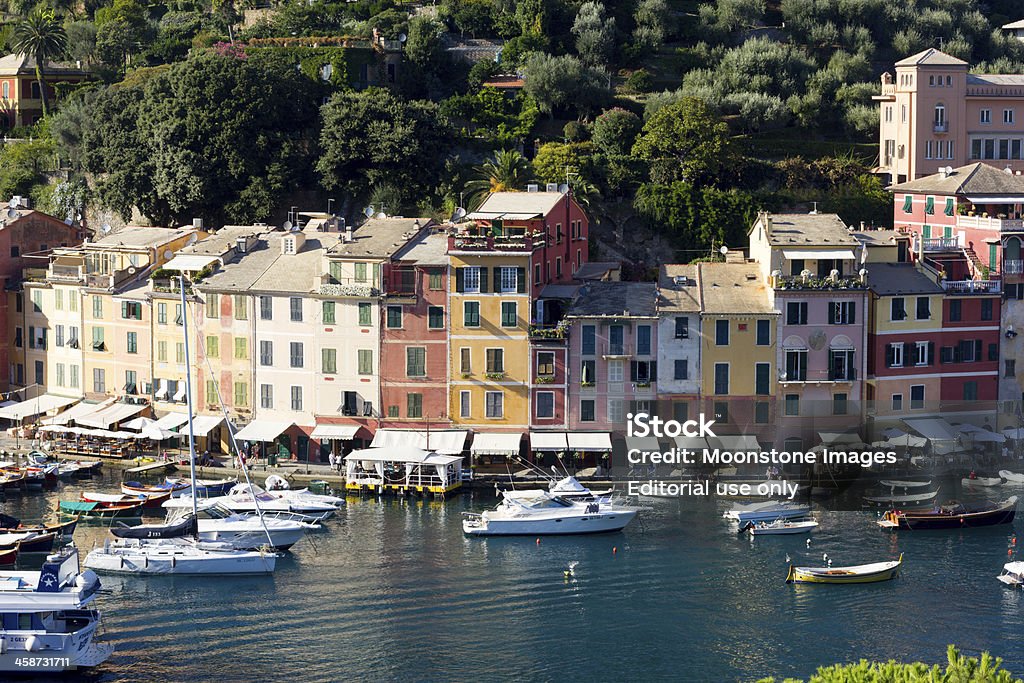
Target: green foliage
column 615, row 130
column 473, row 17
column 42, row 36
column 595, row 34
column 506, row 171
column 654, row 23
column 684, row 140
column 491, row 116
column 564, row 83
column 640, row 81
column 23, row 165
column 693, row 216
column 555, row 160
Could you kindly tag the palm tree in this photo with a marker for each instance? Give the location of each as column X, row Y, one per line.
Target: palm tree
column 506, row 171
column 41, row 36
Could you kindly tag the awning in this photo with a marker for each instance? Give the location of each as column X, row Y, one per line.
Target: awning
column 590, row 441
column 495, row 444
column 172, row 420
column 405, row 455
column 179, row 395
column 933, row 429
column 189, row 262
column 980, row 434
column 830, row 438
column 262, row 431
column 76, row 411
column 697, row 444
column 161, row 390
column 202, row 425
column 739, row 442
column 138, row 423
column 451, row 442
column 548, row 441
column 649, row 444
column 1012, row 433
column 818, row 254
column 995, row 199
column 43, row 403
column 111, row 415
column 335, row 432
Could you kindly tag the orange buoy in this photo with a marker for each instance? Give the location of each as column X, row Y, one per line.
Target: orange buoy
column 1009, row 551
column 614, row 550
column 538, row 541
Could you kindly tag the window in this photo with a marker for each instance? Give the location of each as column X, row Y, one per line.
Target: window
column 897, row 309
column 434, row 280
column 392, row 411
column 682, row 327
column 178, row 318
column 970, row 390
column 435, row 317
column 545, row 404
column 72, row 302
column 60, row 374
column 179, row 353
column 295, row 355
column 587, row 410
column 494, row 405
column 161, row 351
column 792, row 404
column 616, row 371
column 681, row 370
column 558, row 266
column 329, row 361
column 796, row 313
column 130, row 382
column 97, row 306
column 495, row 361
column 917, row 397
column 908, row 204
column 241, row 308
column 98, row 343
column 1007, row 116
column 414, row 405
column 545, row 364
column 929, row 205
column 465, row 360
column 296, row 396
column 955, row 310
column 643, row 340
column 241, row 348
column 161, row 313
column 213, row 347
column 949, row 206
column 394, row 317
column 986, row 116
column 722, row 332
column 923, row 353
column 897, row 402
column 74, row 376
column 617, row 411
column 842, row 313
column 471, row 314
column 133, row 342
column 761, row 412
column 796, row 366
column 588, row 340
column 508, row 314
column 642, row 371
column 365, row 313
column 924, row 311
column 986, row 309
column 99, row 380
column 415, row 361
column 241, row 394
column 266, row 352
column 464, row 404
column 508, row 280
column 267, row 396
column 721, row 379
column 471, row 279
column 266, row 308
column 295, row 309
column 764, row 332
column 212, row 309
column 762, row 378
column 365, row 361
column 615, row 340
column 58, row 335
column 536, row 274
column 360, row 272
column 1009, row 367
column 841, row 365
column 328, row 316
column 894, row 355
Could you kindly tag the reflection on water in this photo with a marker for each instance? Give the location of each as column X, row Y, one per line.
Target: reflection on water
column 393, row 589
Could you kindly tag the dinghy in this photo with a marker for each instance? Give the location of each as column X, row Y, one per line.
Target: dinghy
column 902, row 499
column 981, row 481
column 905, row 483
column 781, row 527
column 149, row 502
column 176, row 489
column 768, row 510
column 101, row 510
column 1013, row 574
column 1011, row 477
column 862, row 573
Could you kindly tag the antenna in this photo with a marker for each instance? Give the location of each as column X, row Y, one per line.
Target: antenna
column 287, row 226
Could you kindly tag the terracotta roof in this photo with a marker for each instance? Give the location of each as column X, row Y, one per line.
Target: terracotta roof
column 931, row 57
column 977, row 179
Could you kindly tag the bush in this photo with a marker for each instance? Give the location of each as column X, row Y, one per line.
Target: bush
column 640, row 81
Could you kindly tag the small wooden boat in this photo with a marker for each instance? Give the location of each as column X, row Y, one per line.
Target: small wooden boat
column 952, row 516
column 862, row 573
column 1013, row 574
column 149, row 502
column 780, row 527
column 28, row 542
column 8, row 557
column 12, row 482
column 1011, row 477
column 12, row 525
column 101, row 510
column 206, row 487
column 905, row 483
column 134, row 488
column 902, row 499
column 981, row 481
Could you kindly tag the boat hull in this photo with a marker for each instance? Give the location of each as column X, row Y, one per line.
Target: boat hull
column 931, row 521
column 594, row 523
column 783, row 530
column 981, row 481
column 177, row 561
column 882, row 571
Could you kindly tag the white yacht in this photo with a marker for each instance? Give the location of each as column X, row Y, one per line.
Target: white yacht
column 766, row 510
column 542, row 513
column 244, row 531
column 246, row 497
column 48, row 626
column 568, row 487
column 177, row 556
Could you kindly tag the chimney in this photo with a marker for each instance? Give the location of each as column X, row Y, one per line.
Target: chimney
column 197, row 223
column 348, row 233
column 533, row 187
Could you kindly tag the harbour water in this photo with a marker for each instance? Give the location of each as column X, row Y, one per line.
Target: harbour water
column 394, row 591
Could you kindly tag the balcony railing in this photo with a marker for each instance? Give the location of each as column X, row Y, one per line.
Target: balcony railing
column 348, row 290
column 1013, row 267
column 614, row 350
column 799, row 282
column 940, row 244
column 819, row 376
column 556, row 332
column 74, row 273
column 986, row 223
column 523, row 243
column 971, row 286
column 940, row 127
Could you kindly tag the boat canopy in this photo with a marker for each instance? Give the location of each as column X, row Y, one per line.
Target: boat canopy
column 490, row 443
column 43, row 403
column 449, row 442
column 335, row 432
column 548, row 441
column 111, row 415
column 590, row 441
column 262, row 431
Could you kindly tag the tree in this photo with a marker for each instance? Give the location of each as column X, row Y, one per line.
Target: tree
column 556, row 82
column 506, row 171
column 652, row 19
column 555, row 161
column 595, row 34
column 684, row 140
column 41, row 37
column 615, row 131
column 469, row 16
column 373, row 138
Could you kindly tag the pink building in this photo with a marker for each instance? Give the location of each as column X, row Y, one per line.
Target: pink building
column 934, row 114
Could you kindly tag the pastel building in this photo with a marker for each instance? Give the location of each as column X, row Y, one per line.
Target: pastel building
column 933, row 113
column 679, row 341
column 20, row 97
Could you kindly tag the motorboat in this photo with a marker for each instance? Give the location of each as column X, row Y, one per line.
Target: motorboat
column 781, row 527
column 952, row 516
column 981, row 481
column 177, row 556
column 905, row 483
column 568, row 487
column 892, row 498
column 277, row 485
column 48, row 625
column 207, row 487
column 543, row 513
column 861, row 573
column 176, row 489
column 766, row 510
column 246, row 498
column 217, row 523
column 1013, row 574
column 1011, row 477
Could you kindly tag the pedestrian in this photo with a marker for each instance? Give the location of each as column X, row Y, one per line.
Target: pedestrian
column 330, row 459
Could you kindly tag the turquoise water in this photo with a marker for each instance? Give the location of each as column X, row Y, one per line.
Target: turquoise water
column 393, row 590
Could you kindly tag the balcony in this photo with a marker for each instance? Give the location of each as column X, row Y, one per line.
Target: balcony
column 341, row 291
column 66, row 273
column 940, row 127
column 971, row 286
column 817, row 283
column 402, row 294
column 986, row 223
column 832, row 375
column 501, row 243
column 549, row 332
column 615, row 351
column 1013, row 267
column 940, row 244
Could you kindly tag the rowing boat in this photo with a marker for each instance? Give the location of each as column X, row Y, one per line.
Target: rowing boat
column 952, row 516
column 905, row 483
column 981, row 481
column 907, row 499
column 1011, row 477
column 861, row 573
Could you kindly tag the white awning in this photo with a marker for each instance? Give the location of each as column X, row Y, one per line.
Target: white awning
column 172, row 420
column 43, row 403
column 335, row 432
column 995, row 199
column 933, row 429
column 202, row 425
column 111, row 415
column 829, row 438
column 697, row 444
column 450, row 442
column 76, row 411
column 818, row 254
column 179, row 395
column 649, row 444
column 161, row 389
column 403, row 455
column 138, row 423
column 262, row 431
column 495, row 444
column 590, row 441
column 189, row 262
column 548, row 441
column 739, row 442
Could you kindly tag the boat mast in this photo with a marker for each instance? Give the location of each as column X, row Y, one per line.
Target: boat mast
column 188, row 407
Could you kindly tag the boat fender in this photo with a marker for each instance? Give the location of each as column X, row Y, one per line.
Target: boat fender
column 174, row 562
column 3, row 645
column 86, row 579
column 33, row 644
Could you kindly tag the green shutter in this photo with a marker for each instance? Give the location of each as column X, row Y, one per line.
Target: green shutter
column 328, row 312
column 521, row 280
column 926, row 232
column 949, row 206
column 908, row 204
column 483, row 280
column 364, row 313
column 929, row 205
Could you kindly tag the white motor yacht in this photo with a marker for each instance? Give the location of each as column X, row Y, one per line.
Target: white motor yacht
column 766, row 511
column 244, row 498
column 542, row 513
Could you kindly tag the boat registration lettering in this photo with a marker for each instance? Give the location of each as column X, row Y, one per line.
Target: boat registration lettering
column 35, row 662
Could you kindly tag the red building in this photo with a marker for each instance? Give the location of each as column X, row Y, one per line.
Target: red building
column 969, row 351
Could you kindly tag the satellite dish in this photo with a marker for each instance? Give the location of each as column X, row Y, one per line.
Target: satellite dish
column 13, row 202
column 192, row 239
column 381, row 216
column 368, row 211
column 723, row 250
column 105, row 228
column 68, row 221
column 287, row 226
column 459, row 214
column 325, row 72
column 402, row 37
column 563, row 188
column 168, row 254
column 863, row 272
column 12, row 213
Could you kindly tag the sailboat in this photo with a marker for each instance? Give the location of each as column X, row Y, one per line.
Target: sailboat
column 163, row 556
